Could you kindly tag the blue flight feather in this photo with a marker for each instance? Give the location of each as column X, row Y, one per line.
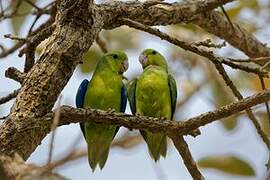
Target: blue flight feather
column 123, row 98
column 80, row 98
column 81, row 93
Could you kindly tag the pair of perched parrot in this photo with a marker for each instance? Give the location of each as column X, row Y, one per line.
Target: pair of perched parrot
column 152, row 94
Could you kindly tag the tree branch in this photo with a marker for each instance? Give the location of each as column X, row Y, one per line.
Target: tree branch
column 15, row 74
column 76, row 115
column 186, row 155
column 16, row 169
column 155, row 12
column 215, row 23
column 193, row 48
column 9, row 96
column 239, row 96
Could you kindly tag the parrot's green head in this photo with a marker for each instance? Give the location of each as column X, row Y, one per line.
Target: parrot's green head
column 152, row 57
column 116, row 60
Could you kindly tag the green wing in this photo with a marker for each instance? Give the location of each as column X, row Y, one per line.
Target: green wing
column 131, row 89
column 173, row 92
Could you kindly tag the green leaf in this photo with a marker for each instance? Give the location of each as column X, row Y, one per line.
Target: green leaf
column 228, row 164
column 250, row 4
column 233, row 12
column 90, row 59
column 223, row 97
column 229, row 123
column 22, row 12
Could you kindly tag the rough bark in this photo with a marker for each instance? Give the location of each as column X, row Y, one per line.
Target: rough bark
column 77, row 25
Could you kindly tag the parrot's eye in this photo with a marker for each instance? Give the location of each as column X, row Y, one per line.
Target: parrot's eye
column 115, row 56
column 154, row 52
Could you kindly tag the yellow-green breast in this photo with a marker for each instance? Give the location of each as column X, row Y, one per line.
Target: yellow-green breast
column 153, row 94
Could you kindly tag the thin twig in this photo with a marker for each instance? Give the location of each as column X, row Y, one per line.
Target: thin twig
column 9, row 96
column 14, row 37
column 15, row 74
column 6, row 52
column 123, row 142
column 53, row 129
column 260, row 60
column 266, row 103
column 3, row 118
column 208, row 43
column 186, row 155
column 30, row 48
column 227, row 16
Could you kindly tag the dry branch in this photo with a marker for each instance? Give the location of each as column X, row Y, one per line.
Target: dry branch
column 15, row 74
column 16, row 169
column 239, row 96
column 76, row 115
column 9, row 96
column 185, row 153
column 215, row 23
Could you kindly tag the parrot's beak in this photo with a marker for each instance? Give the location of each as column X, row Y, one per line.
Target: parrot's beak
column 143, row 59
column 124, row 66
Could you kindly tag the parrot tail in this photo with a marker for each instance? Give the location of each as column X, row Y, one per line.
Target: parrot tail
column 97, row 157
column 157, row 144
column 99, row 138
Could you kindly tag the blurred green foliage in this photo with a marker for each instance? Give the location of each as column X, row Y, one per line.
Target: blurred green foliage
column 122, row 38
column 227, row 163
column 223, row 96
column 23, row 11
column 243, row 4
column 90, row 59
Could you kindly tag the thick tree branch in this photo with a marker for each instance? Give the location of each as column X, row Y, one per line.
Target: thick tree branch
column 215, row 23
column 155, row 12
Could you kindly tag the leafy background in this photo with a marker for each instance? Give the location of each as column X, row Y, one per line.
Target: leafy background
column 228, row 149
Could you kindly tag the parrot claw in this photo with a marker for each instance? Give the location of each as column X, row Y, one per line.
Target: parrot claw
column 137, row 114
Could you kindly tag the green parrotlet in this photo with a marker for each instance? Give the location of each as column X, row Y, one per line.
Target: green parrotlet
column 153, row 94
column 105, row 91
